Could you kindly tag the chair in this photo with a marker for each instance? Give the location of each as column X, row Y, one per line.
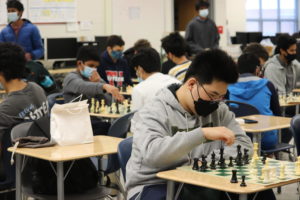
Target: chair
column 241, row 109
column 8, row 175
column 124, row 153
column 295, row 129
column 92, row 194
column 55, row 98
column 119, row 128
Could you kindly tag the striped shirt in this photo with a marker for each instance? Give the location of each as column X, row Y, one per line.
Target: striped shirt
column 179, row 70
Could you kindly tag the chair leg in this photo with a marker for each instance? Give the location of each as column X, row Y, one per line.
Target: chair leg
column 279, row 190
column 122, row 189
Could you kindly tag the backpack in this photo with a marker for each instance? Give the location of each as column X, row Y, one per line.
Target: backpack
column 39, row 174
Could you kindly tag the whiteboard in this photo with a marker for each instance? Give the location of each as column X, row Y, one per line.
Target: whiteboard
column 44, row 11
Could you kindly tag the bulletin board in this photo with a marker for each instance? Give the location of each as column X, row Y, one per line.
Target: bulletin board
column 45, row 11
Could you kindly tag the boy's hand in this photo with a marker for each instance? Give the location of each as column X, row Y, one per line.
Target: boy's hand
column 219, row 133
column 95, row 77
column 114, row 92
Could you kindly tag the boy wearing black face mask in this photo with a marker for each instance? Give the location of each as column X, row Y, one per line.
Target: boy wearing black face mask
column 184, row 122
column 281, row 69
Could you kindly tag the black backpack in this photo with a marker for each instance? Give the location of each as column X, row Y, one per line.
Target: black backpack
column 39, row 174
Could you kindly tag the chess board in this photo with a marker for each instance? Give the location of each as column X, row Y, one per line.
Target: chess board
column 289, row 99
column 248, row 169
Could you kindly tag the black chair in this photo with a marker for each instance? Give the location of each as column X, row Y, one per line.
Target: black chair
column 8, row 171
column 124, row 153
column 295, row 129
column 55, row 98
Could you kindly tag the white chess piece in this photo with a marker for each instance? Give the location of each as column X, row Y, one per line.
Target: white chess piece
column 297, row 167
column 102, row 108
column 255, row 150
column 282, row 171
column 92, row 110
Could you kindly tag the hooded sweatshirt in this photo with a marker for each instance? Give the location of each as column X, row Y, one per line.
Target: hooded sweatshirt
column 201, row 34
column 28, row 37
column 166, row 136
column 261, row 94
column 114, row 73
column 283, row 76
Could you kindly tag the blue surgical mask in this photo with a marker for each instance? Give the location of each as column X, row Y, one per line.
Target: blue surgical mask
column 203, row 13
column 47, row 82
column 116, row 54
column 12, row 17
column 87, row 72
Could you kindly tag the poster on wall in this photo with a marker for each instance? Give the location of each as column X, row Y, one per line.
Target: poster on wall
column 52, row 11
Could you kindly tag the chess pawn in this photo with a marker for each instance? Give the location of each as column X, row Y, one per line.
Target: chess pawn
column 92, row 109
column 266, row 175
column 255, row 149
column 102, row 108
column 113, row 108
column 297, row 168
column 282, row 172
column 97, row 107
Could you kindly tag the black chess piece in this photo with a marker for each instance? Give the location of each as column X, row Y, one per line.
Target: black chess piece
column 203, row 164
column 222, row 160
column 234, row 177
column 246, row 156
column 230, row 161
column 213, row 161
column 243, row 184
column 196, row 165
column 213, row 156
column 110, row 110
column 263, row 160
column 117, row 107
column 124, row 88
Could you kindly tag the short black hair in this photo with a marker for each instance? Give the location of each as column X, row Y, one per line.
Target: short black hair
column 258, row 50
column 284, row 42
column 247, row 63
column 212, row 65
column 148, row 59
column 114, row 40
column 174, row 43
column 12, row 61
column 140, row 44
column 15, row 4
column 88, row 53
column 201, row 3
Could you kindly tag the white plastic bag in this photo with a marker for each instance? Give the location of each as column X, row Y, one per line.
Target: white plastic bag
column 71, row 124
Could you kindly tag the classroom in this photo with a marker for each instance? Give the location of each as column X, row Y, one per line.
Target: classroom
column 149, row 100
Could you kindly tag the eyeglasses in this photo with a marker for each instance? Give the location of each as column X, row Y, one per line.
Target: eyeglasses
column 213, row 97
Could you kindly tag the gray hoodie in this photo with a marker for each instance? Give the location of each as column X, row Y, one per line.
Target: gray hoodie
column 166, row 136
column 284, row 77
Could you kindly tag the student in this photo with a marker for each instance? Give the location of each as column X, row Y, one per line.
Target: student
column 175, row 47
column 253, row 90
column 129, row 53
column 281, row 68
column 22, row 31
column 183, row 122
column 261, row 52
column 147, row 65
column 114, row 68
column 201, row 33
column 25, row 100
column 86, row 80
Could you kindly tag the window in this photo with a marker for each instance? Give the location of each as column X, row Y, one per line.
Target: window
column 272, row 16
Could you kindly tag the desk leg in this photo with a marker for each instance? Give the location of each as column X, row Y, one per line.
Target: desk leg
column 18, row 177
column 243, row 197
column 170, row 190
column 257, row 139
column 297, row 109
column 60, row 181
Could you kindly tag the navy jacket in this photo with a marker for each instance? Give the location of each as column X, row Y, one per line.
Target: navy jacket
column 29, row 38
column 114, row 73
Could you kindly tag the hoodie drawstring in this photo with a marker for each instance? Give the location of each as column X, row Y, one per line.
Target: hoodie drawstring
column 13, row 153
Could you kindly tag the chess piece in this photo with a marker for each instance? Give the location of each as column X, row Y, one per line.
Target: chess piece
column 92, row 108
column 243, row 183
column 213, row 161
column 117, row 108
column 196, row 164
column 234, row 177
column 102, row 108
column 266, row 174
column 255, row 150
column 203, row 164
column 297, row 167
column 238, row 160
column 97, row 107
column 264, row 159
column 111, row 109
column 246, row 156
column 230, row 161
column 282, row 172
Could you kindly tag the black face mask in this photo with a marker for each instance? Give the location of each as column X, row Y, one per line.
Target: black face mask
column 290, row 57
column 203, row 107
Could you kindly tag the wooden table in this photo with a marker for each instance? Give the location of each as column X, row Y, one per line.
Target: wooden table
column 296, row 90
column 287, row 104
column 213, row 182
column 265, row 123
column 102, row 145
column 2, row 91
column 61, row 71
